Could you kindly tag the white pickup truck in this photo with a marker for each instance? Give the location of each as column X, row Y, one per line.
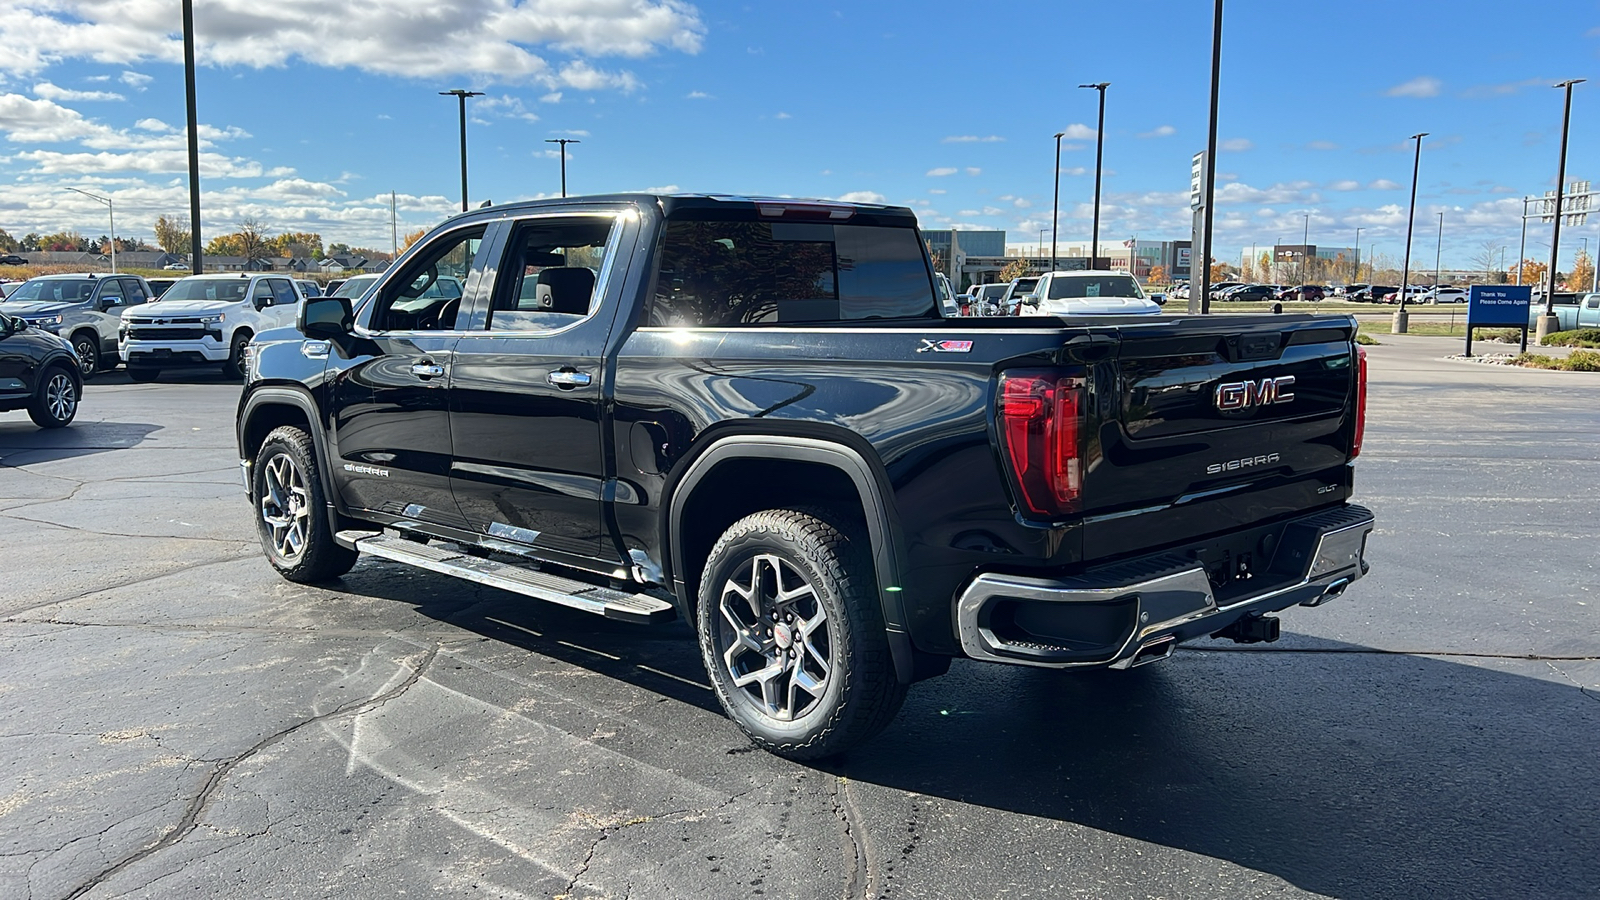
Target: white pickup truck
column 205, row 320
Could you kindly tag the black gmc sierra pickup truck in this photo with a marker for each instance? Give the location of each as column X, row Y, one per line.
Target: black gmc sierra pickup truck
column 750, row 413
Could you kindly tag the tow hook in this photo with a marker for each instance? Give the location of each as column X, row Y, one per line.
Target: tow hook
column 1251, row 630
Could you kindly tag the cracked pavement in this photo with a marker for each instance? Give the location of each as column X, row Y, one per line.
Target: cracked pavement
column 178, row 721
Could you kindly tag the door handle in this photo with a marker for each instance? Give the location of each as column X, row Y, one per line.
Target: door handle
column 427, row 370
column 565, row 378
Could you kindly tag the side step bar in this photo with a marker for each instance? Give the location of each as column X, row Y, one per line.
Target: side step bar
column 641, row 609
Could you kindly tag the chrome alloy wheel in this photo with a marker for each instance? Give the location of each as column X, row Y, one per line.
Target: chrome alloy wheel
column 286, row 506
column 774, row 637
column 60, row 397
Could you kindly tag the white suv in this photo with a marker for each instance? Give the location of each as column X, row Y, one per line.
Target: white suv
column 205, row 320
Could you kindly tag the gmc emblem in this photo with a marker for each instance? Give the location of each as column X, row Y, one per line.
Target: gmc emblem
column 1234, row 395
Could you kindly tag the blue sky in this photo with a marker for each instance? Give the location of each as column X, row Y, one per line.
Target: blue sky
column 311, row 112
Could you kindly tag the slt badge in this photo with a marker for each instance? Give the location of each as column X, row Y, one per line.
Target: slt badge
column 945, row 346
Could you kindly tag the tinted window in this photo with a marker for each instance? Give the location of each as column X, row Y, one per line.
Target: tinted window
column 226, row 290
column 427, row 294
column 719, row 273
column 356, row 286
column 111, row 291
column 134, row 290
column 283, row 293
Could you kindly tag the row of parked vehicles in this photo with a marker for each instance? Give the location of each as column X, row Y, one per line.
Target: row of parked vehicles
column 1076, row 293
column 201, row 320
column 1361, row 292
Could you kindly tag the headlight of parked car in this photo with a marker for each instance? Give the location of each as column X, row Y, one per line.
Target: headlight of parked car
column 48, row 323
column 212, row 320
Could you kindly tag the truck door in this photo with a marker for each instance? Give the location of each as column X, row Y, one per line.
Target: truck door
column 390, row 425
column 527, row 385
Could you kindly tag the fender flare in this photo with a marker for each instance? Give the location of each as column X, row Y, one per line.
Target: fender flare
column 275, row 395
column 873, row 490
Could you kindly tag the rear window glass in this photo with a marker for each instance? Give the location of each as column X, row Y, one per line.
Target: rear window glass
column 730, row 273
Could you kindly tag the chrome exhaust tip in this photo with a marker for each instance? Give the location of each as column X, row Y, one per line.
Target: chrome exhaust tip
column 1155, row 651
column 1331, row 592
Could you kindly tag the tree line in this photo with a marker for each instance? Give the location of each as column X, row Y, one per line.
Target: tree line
column 172, row 235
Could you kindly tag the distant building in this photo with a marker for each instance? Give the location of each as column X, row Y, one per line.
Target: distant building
column 957, row 249
column 1130, row 255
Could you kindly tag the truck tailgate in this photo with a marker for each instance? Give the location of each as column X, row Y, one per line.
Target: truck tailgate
column 1202, row 425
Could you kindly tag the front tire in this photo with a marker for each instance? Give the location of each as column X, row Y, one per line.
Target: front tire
column 55, row 400
column 291, row 511
column 234, row 367
column 86, row 346
column 792, row 635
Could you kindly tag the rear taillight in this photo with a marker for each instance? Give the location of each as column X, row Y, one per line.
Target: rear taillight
column 1361, row 401
column 1041, row 422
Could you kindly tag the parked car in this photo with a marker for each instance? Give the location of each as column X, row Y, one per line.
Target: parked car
column 1222, row 287
column 947, row 299
column 1413, row 292
column 1348, row 291
column 1011, row 303
column 1571, row 310
column 1080, row 293
column 38, row 372
column 1372, row 293
column 85, row 308
column 837, row 512
column 308, row 288
column 1303, row 293
column 6, row 287
column 1442, row 295
column 158, row 286
column 11, row 259
column 175, row 267
column 986, row 299
column 1250, row 292
column 205, row 320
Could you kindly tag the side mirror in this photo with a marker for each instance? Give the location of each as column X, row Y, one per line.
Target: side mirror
column 326, row 318
column 1031, row 299
column 1159, row 299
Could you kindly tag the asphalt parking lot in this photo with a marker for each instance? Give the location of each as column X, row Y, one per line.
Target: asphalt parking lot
column 180, row 722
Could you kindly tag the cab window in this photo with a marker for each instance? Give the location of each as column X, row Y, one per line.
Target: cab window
column 548, row 279
column 111, row 292
column 283, row 293
column 426, row 295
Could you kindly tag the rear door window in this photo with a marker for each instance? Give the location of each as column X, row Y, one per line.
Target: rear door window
column 751, row 273
column 111, row 292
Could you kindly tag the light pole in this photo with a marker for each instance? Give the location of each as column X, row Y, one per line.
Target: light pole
column 1356, row 275
column 1055, row 205
column 563, row 142
column 1548, row 322
column 110, row 211
column 1041, row 244
column 1401, row 317
column 461, row 96
column 1099, row 150
column 1305, row 244
column 1438, row 254
column 194, row 137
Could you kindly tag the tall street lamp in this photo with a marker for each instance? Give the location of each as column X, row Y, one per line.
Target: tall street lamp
column 461, row 96
column 1356, row 275
column 563, row 142
column 1305, row 244
column 1438, row 254
column 1206, row 215
column 194, row 136
column 1099, row 150
column 1055, row 206
column 1401, row 317
column 1548, row 322
column 112, row 213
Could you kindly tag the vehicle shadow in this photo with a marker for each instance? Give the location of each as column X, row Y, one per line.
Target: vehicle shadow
column 1345, row 771
column 21, row 442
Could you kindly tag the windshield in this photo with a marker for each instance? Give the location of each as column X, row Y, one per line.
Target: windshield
column 356, row 286
column 995, row 291
column 208, row 289
column 1094, row 286
column 54, row 290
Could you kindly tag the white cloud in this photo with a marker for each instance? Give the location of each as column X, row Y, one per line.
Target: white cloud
column 1160, row 132
column 1322, row 145
column 942, row 171
column 135, row 80
column 972, row 139
column 1421, row 86
column 783, row 115
column 1020, row 203
column 663, row 189
column 505, row 106
column 155, row 125
column 572, row 132
column 48, row 91
column 699, row 95
column 1074, row 170
column 974, row 170
column 937, row 191
column 212, row 165
column 1077, row 132
column 1383, row 184
column 552, row 97
column 495, row 39
column 1344, row 185
column 1236, row 145
column 862, row 197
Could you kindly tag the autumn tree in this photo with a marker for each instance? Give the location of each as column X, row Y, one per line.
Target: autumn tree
column 224, row 245
column 1581, row 278
column 61, row 242
column 1017, row 268
column 1219, row 272
column 173, row 235
column 8, row 244
column 1158, row 275
column 1533, row 272
column 405, row 242
column 291, row 244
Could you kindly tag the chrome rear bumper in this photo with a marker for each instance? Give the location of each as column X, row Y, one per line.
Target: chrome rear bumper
column 1136, row 611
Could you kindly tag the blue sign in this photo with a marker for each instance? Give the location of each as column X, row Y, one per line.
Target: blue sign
column 1498, row 304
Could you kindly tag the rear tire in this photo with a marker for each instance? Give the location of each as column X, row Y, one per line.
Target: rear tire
column 55, row 399
column 291, row 511
column 792, row 635
column 143, row 374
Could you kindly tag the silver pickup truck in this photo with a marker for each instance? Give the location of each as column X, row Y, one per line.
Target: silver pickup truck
column 84, row 308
